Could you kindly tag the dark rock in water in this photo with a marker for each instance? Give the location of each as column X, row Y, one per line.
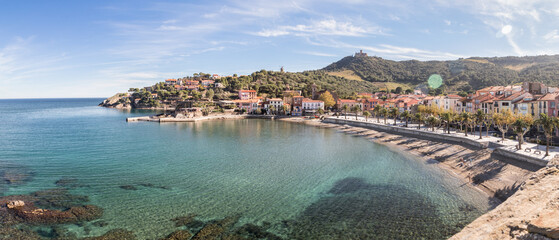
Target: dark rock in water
column 252, row 231
column 32, row 215
column 100, row 223
column 214, row 229
column 115, row 234
column 57, row 232
column 179, row 235
column 195, row 225
column 15, row 175
column 359, row 210
column 58, row 198
column 19, row 234
column 349, row 185
column 183, row 220
column 147, row 185
column 164, row 187
column 67, row 182
column 128, row 187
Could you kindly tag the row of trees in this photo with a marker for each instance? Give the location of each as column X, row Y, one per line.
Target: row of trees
column 466, row 122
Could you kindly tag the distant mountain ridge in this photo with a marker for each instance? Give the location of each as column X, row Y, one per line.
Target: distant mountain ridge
column 459, row 75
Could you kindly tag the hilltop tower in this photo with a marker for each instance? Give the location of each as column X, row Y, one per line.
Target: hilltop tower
column 360, row 54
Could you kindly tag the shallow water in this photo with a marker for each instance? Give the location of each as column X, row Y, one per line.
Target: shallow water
column 299, row 182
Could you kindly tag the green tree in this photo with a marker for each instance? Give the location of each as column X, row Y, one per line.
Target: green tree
column 548, row 124
column 210, row 94
column 479, row 117
column 328, row 99
column 406, row 115
column 355, row 109
column 521, row 126
column 467, row 119
column 503, row 121
column 448, row 118
column 384, row 112
column 394, row 112
column 419, row 118
column 367, row 114
column 432, row 120
column 345, row 108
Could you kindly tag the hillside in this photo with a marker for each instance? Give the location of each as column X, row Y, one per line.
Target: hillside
column 459, row 75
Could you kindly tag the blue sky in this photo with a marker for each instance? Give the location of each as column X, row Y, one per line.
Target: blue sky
column 97, row 48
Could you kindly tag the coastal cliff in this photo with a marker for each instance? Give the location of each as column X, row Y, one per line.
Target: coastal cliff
column 116, row 101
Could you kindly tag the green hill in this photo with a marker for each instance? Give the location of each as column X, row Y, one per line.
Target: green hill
column 459, row 75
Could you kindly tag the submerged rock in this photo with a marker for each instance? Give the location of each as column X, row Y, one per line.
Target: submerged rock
column 115, row 234
column 252, row 231
column 19, row 234
column 58, row 198
column 183, row 220
column 67, row 182
column 179, row 235
column 32, row 215
column 128, row 187
column 214, row 229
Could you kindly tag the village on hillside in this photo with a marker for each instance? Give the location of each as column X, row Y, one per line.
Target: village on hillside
column 198, row 94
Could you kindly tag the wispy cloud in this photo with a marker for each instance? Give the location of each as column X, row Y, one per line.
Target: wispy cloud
column 319, row 54
column 322, row 27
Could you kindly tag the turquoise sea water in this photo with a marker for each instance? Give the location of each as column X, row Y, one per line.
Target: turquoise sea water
column 295, row 181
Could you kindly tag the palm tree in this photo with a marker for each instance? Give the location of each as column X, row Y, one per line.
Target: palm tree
column 355, row 109
column 432, row 120
column 419, row 118
column 345, row 108
column 466, row 120
column 272, row 109
column 406, row 116
column 376, row 112
column 548, row 124
column 503, row 121
column 480, row 119
column 447, row 117
column 394, row 113
column 384, row 112
column 367, row 114
column 521, row 126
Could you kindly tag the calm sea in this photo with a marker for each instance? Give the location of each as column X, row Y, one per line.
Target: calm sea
column 290, row 180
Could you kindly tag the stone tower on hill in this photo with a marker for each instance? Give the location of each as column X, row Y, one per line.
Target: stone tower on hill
column 360, row 54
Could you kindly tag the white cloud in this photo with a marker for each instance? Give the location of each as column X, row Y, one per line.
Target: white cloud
column 447, row 22
column 506, row 29
column 323, row 27
column 319, row 54
column 552, row 36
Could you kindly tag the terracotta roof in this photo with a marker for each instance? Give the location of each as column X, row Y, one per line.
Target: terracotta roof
column 247, row 90
column 310, row 100
column 549, row 97
column 347, row 101
column 453, row 96
column 513, row 96
column 275, row 99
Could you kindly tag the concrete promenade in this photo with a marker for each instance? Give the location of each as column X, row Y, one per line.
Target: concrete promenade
column 531, row 153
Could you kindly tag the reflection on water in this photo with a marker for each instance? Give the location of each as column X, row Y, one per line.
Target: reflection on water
column 249, row 178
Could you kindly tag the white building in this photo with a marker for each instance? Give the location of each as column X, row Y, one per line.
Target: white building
column 311, row 106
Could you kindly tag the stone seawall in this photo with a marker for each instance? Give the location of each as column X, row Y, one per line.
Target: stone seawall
column 500, row 150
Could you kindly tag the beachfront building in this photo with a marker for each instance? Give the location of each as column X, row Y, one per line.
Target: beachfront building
column 310, row 106
column 273, row 105
column 450, row 102
column 551, row 100
column 247, row 94
column 349, row 103
column 249, row 105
